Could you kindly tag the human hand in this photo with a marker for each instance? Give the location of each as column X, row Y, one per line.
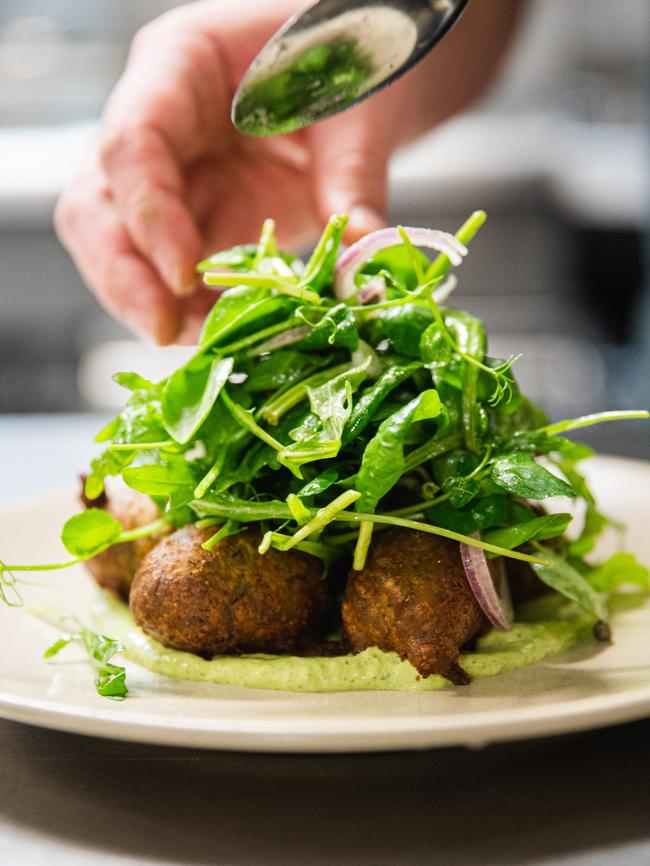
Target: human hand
column 167, row 179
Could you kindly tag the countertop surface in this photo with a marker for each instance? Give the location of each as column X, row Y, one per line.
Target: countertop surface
column 578, row 800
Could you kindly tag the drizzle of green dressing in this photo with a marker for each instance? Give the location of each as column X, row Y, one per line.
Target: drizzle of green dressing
column 526, row 643
column 321, row 77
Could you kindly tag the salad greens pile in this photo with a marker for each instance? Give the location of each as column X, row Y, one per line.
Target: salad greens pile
column 321, row 420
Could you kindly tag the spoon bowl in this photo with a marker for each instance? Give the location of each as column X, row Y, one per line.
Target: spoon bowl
column 334, row 54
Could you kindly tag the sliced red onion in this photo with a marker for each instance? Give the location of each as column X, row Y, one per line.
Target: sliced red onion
column 497, row 607
column 373, row 290
column 354, row 257
column 286, row 338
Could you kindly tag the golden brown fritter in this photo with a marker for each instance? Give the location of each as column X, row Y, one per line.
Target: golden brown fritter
column 413, row 598
column 230, row 599
column 115, row 567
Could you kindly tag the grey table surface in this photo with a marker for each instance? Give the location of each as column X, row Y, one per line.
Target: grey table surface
column 579, row 800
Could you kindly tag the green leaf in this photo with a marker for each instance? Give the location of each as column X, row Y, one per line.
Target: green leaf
column 518, row 473
column 404, row 325
column 563, row 578
column 89, row 532
column 174, row 479
column 319, row 437
column 478, row 515
column 461, row 490
column 539, row 529
column 239, row 258
column 134, row 382
column 619, row 570
column 338, row 327
column 190, row 394
column 240, row 310
column 365, row 408
column 280, row 369
column 383, row 462
column 397, row 263
column 320, row 483
column 319, row 271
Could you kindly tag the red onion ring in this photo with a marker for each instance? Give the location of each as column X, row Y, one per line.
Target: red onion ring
column 350, row 262
column 497, row 608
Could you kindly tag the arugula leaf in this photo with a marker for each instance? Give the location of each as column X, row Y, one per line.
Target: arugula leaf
column 280, row 369
column 135, row 382
column 562, row 577
column 404, row 325
column 383, row 462
column 89, row 532
column 190, row 394
column 320, row 483
column 370, row 401
column 539, row 529
column 619, row 570
column 319, row 270
column 398, row 264
column 241, row 309
column 174, row 479
column 461, row 490
column 338, row 327
column 520, row 474
column 320, row 434
column 478, row 515
column 239, row 258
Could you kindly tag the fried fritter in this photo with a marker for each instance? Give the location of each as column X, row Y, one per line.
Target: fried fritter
column 230, row 599
column 413, row 598
column 115, row 567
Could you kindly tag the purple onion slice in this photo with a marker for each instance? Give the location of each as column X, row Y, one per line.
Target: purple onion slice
column 351, row 261
column 497, row 607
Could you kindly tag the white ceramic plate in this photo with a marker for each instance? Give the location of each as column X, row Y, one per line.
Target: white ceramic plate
column 583, row 688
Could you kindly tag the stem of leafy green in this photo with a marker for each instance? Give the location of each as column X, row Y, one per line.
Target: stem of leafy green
column 589, row 420
column 441, row 264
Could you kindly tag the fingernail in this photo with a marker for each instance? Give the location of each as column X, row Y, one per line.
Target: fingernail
column 184, row 285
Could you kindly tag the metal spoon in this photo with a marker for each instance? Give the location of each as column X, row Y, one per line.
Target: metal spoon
column 333, row 54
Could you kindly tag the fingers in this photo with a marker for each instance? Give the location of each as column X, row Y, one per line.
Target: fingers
column 148, row 189
column 351, row 153
column 89, row 226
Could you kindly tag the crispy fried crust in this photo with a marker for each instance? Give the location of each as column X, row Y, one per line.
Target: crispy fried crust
column 413, row 598
column 115, row 568
column 230, row 599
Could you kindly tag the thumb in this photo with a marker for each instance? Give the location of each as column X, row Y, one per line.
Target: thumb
column 350, row 155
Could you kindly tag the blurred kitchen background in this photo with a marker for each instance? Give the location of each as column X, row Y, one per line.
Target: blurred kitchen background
column 557, row 155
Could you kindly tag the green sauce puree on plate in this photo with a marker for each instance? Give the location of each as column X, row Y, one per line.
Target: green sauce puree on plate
column 526, row 643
